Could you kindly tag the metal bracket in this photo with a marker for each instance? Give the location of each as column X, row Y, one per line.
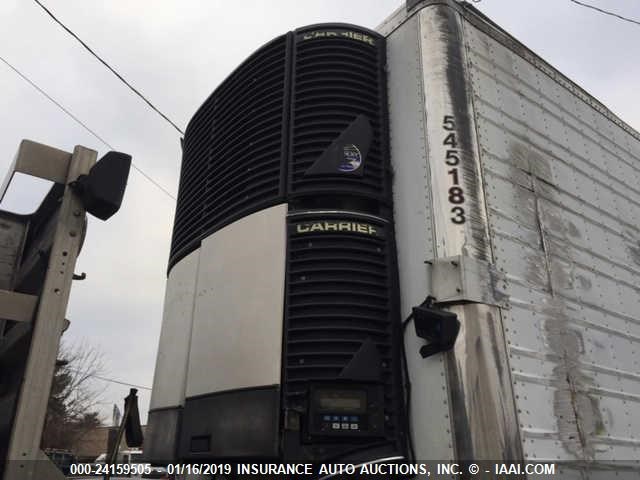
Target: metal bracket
column 40, row 161
column 18, row 307
column 462, row 279
column 62, row 236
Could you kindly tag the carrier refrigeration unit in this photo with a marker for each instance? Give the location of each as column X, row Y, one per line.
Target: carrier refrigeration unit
column 513, row 209
column 280, row 337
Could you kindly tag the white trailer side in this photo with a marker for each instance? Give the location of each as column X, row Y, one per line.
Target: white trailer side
column 545, row 245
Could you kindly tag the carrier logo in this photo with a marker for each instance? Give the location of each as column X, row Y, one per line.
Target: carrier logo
column 339, row 226
column 361, row 37
column 351, row 159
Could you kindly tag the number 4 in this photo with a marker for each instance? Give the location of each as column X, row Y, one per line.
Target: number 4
column 451, row 140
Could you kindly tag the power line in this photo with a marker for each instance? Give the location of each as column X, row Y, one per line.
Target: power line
column 111, row 380
column 144, row 174
column 120, row 77
column 51, row 99
column 82, row 124
column 606, row 12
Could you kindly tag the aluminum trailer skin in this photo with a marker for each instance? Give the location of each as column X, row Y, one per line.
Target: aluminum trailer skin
column 517, row 205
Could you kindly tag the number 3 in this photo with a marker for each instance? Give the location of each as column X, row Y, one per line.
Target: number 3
column 458, row 217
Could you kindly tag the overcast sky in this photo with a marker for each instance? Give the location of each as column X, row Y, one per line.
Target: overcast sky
column 176, row 53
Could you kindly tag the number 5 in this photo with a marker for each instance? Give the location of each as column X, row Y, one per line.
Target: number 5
column 452, row 158
column 448, row 123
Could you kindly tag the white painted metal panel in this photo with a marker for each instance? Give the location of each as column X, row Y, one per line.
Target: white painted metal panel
column 479, row 383
column 423, row 93
column 562, row 178
column 558, row 177
column 236, row 341
column 430, row 421
column 170, row 377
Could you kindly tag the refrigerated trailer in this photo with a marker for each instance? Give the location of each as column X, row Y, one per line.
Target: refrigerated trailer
column 505, row 205
column 517, row 205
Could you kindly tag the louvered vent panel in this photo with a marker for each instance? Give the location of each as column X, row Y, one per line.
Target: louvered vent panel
column 335, row 79
column 233, row 155
column 338, row 296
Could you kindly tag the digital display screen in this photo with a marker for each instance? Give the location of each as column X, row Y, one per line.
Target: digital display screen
column 341, row 401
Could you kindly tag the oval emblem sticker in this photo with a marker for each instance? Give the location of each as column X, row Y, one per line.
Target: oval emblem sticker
column 351, row 159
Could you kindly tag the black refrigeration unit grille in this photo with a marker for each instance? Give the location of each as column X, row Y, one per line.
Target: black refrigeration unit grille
column 304, row 122
column 303, row 118
column 338, row 75
column 340, row 303
column 233, row 151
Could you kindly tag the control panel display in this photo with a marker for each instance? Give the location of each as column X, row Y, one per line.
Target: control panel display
column 341, row 409
column 342, row 400
column 344, row 411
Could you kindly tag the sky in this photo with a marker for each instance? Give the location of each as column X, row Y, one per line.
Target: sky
column 176, row 53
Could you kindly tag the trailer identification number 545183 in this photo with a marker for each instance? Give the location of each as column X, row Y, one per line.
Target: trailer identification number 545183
column 452, row 159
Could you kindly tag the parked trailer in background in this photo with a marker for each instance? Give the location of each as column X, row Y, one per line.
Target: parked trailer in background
column 515, row 211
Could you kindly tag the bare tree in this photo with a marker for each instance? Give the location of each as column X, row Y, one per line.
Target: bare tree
column 74, row 399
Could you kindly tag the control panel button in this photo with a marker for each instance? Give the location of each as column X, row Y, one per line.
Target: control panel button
column 345, row 426
column 335, row 426
column 354, row 426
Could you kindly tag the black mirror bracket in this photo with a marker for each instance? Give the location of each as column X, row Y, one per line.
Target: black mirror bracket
column 439, row 327
column 101, row 191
